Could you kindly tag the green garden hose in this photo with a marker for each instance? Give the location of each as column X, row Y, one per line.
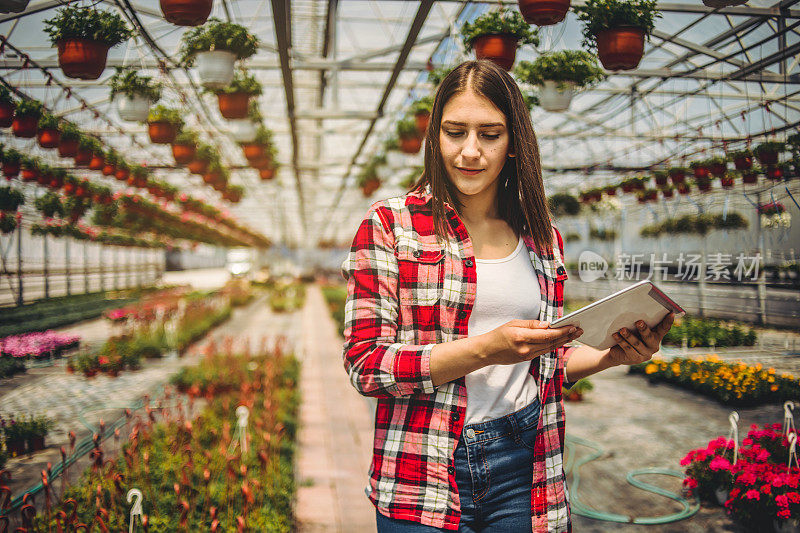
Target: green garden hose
column 690, row 507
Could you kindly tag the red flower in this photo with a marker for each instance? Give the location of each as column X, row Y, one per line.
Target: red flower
column 690, row 483
column 784, row 513
column 752, row 495
column 103, row 360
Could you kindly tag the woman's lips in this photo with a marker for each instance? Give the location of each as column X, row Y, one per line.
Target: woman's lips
column 468, row 172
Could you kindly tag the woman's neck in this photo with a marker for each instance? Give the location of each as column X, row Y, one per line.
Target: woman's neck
column 477, row 209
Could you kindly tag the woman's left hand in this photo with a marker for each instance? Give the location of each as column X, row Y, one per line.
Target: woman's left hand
column 639, row 346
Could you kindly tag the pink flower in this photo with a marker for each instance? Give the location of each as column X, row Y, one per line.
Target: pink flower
column 752, row 495
column 690, row 482
column 793, row 497
column 719, row 463
column 782, row 500
column 784, row 513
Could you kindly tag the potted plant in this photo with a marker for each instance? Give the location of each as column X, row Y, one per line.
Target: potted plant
column 234, row 99
column 742, row 159
column 617, row 30
column 110, row 161
column 68, row 139
column 14, row 433
column 684, row 188
column 233, row 193
column 407, row 132
column 87, row 146
column 647, row 195
column 7, row 106
column 98, row 160
column 83, row 36
column 10, row 199
column 677, row 174
column 11, row 162
column 718, row 166
column 700, row 169
column 576, row 392
column 543, row 12
column 216, row 46
column 668, row 191
column 660, row 177
column 727, row 179
column 38, row 428
column 436, row 75
column 184, row 147
column 257, row 149
column 29, row 169
column 48, row 134
column 186, row 12
column 766, row 152
column 204, row 155
column 268, row 173
column 421, row 109
column 26, row 118
column 610, row 190
column 774, row 172
column 559, row 74
column 134, row 94
column 138, row 176
column 495, row 35
column 703, row 183
column 750, row 176
column 163, row 124
column 8, row 223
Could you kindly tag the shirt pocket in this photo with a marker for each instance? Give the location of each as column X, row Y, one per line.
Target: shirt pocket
column 421, row 268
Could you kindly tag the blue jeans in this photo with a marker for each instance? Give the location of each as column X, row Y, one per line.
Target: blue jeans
column 494, row 474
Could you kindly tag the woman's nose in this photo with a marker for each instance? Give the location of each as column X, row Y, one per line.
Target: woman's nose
column 471, row 148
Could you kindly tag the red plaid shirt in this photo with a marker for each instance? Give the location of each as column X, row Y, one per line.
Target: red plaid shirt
column 406, row 293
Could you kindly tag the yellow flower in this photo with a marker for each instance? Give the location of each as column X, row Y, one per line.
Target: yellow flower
column 650, row 369
column 771, row 371
column 774, row 388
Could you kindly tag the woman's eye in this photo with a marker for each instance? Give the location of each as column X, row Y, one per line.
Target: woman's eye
column 492, row 137
column 459, row 133
column 453, row 133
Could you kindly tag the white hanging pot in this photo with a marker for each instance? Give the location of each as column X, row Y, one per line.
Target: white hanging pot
column 243, row 130
column 553, row 99
column 215, row 69
column 721, row 494
column 13, row 6
column 723, row 3
column 790, row 525
column 133, row 109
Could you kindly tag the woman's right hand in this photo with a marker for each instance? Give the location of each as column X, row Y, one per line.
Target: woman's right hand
column 523, row 340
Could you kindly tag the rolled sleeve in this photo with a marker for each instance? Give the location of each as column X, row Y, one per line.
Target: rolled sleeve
column 567, row 354
column 377, row 365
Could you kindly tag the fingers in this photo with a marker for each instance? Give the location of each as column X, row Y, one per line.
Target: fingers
column 629, row 350
column 631, row 339
column 665, row 324
column 647, row 335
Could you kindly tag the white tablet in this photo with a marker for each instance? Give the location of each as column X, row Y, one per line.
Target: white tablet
column 601, row 319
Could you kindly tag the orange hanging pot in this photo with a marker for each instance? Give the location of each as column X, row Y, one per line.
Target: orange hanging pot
column 233, row 105
column 109, row 169
column 11, row 170
column 253, row 152
column 97, row 162
column 29, row 174
column 197, row 166
column 25, row 127
column 620, row 48
column 67, row 147
column 83, row 157
column 212, row 177
column 186, row 12
column 422, row 119
column 162, row 132
column 543, row 12
column 83, row 59
column 498, row 47
column 183, row 153
column 49, row 137
column 122, row 174
column 7, row 113
column 410, row 145
column 266, row 173
column 262, row 162
column 219, row 186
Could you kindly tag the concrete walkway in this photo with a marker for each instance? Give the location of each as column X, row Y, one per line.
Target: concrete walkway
column 335, row 439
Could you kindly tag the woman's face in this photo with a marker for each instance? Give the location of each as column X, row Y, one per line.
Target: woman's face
column 474, row 141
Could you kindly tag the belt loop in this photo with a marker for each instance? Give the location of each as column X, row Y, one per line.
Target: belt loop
column 514, row 428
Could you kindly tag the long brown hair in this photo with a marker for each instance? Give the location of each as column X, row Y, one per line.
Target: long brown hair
column 521, row 203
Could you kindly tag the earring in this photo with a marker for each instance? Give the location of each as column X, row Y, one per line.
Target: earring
column 505, row 185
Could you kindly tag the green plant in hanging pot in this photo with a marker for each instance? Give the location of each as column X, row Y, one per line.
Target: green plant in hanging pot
column 408, row 134
column 163, row 124
column 564, row 205
column 87, row 147
column 660, row 177
column 617, row 29
column 234, row 99
column 257, row 149
column 718, row 166
column 49, row 205
column 368, row 180
column 668, row 190
column 57, row 177
column 10, row 199
column 110, row 161
column 29, row 169
column 576, row 392
column 495, row 35
column 742, row 159
column 7, row 106
column 9, row 222
column 69, row 137
column 233, row 193
column 766, row 152
column 215, row 47
column 83, row 36
column 186, row 12
column 559, row 74
column 10, row 159
column 677, row 174
column 49, row 133
column 133, row 94
column 421, row 109
column 184, row 147
column 204, row 155
column 26, row 118
column 701, row 169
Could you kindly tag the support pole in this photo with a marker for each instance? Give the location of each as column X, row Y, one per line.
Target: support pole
column 66, row 265
column 85, row 267
column 20, row 297
column 45, row 266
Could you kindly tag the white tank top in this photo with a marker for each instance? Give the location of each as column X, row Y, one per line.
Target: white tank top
column 507, row 289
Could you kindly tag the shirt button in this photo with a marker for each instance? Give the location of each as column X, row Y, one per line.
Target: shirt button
column 462, row 314
column 416, row 253
column 451, row 470
column 468, row 263
column 455, row 416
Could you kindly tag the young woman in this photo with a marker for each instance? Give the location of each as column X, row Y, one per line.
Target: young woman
column 450, row 292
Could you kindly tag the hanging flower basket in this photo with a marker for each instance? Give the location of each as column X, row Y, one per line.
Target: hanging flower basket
column 668, row 192
column 774, row 172
column 97, row 162
column 25, row 127
column 197, row 166
column 496, row 34
column 767, row 153
column 253, row 152
column 410, row 145
column 717, row 166
column 684, row 189
column 10, row 170
column 186, row 12
column 83, row 157
column 749, row 177
column 742, row 159
column 83, row 36
column 556, row 97
column 122, row 173
column 266, row 173
column 703, row 185
column 133, row 94
column 700, row 170
column 215, row 69
column 163, row 124
column 243, row 131
column 133, row 109
column 8, row 223
column 660, row 178
column 215, row 47
column 49, row 137
column 558, row 75
column 620, row 48
column 500, row 48
column 543, row 12
column 677, row 174
column 6, row 114
column 611, row 190
column 421, row 109
column 726, row 181
column 233, row 105
column 67, row 147
column 183, row 153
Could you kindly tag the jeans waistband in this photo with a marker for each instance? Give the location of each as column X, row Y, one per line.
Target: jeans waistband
column 506, row 425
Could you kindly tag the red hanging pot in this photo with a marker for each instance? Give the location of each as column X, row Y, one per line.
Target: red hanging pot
column 620, row 48
column 25, row 127
column 69, row 187
column 56, row 182
column 43, row 179
column 7, row 113
column 122, row 174
column 500, row 48
column 253, row 152
column 267, row 173
column 49, row 137
column 97, row 162
column 83, row 59
column 186, row 12
column 774, row 173
column 197, row 166
column 67, row 148
column 10, row 170
column 677, row 176
column 162, row 132
column 701, row 172
column 743, row 163
column 767, row 158
column 684, row 189
column 422, row 119
column 109, row 169
column 219, row 186
column 260, row 163
column 627, row 187
column 668, row 193
column 726, row 182
column 718, row 169
column 704, row 186
column 611, row 191
column 749, row 178
column 212, row 177
column 661, row 179
column 29, row 174
column 81, row 191
column 83, row 157
column 410, row 145
column 543, row 12
column 183, row 153
column 233, row 105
